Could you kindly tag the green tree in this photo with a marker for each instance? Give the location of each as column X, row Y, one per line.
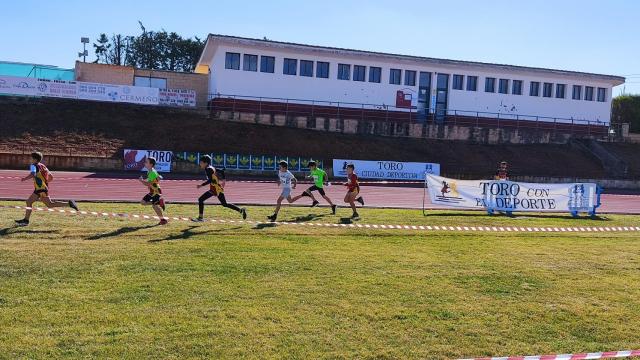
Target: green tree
column 626, row 109
column 160, row 50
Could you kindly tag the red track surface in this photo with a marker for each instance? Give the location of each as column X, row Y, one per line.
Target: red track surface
column 89, row 186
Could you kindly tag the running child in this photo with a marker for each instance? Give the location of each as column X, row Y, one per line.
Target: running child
column 41, row 178
column 353, row 189
column 215, row 189
column 286, row 180
column 154, row 197
column 319, row 177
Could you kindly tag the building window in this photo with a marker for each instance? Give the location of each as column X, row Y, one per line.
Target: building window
column 490, row 84
column 359, row 72
column 602, row 94
column 547, row 90
column 577, row 92
column 344, row 71
column 375, row 74
column 588, row 93
column 250, row 62
column 516, row 88
column 458, row 81
column 267, row 64
column 154, row 82
column 322, row 69
column 394, row 76
column 410, row 78
column 503, row 86
column 232, row 61
column 289, row 66
column 560, row 91
column 472, row 83
column 534, row 89
column 306, row 68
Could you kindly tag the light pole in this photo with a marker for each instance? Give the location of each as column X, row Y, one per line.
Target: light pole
column 84, row 53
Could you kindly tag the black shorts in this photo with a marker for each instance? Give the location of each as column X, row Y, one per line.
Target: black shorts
column 315, row 188
column 41, row 193
column 154, row 199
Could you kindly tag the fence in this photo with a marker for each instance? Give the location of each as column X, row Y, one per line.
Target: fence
column 292, row 108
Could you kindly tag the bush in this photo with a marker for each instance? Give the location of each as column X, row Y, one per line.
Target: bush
column 626, row 109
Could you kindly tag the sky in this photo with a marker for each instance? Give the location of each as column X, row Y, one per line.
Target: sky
column 581, row 35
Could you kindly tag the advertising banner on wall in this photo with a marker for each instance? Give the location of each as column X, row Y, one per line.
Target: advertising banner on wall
column 386, row 170
column 134, row 159
column 57, row 88
column 18, row 85
column 118, row 93
column 177, row 97
column 508, row 196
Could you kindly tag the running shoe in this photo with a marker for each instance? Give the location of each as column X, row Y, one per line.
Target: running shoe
column 73, row 205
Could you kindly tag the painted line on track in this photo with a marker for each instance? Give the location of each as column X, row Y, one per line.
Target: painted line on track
column 446, row 228
column 577, row 356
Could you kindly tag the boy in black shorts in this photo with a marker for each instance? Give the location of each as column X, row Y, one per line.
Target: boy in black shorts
column 319, row 177
column 215, row 189
column 154, row 197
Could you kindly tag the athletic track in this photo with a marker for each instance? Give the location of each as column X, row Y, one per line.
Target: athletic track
column 124, row 187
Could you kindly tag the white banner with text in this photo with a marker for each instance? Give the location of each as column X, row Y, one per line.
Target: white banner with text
column 135, row 159
column 501, row 195
column 386, row 170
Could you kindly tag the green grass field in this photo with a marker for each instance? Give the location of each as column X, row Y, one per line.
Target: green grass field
column 94, row 287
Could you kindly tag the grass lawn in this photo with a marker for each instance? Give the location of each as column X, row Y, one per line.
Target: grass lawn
column 96, row 287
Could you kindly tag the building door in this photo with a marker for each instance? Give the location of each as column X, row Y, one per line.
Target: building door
column 442, row 89
column 424, row 95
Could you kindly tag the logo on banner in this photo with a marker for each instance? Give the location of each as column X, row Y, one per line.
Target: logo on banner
column 42, row 87
column 449, row 192
column 130, row 162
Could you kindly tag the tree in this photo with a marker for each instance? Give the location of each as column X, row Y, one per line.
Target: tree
column 150, row 50
column 626, row 109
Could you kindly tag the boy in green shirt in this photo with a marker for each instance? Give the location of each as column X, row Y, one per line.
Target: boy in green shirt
column 154, row 197
column 319, row 177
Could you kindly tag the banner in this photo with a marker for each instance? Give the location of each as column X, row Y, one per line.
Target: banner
column 94, row 91
column 508, row 196
column 57, row 88
column 135, row 159
column 118, row 93
column 18, row 85
column 176, row 97
column 388, row 170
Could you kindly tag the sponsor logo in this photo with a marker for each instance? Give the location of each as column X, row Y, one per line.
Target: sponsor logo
column 42, row 87
column 23, row 85
column 130, row 162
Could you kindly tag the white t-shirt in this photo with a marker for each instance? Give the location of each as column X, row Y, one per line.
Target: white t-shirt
column 285, row 179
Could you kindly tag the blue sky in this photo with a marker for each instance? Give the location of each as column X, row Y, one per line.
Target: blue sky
column 582, row 35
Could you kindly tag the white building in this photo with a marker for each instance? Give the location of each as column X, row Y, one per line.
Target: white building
column 295, row 72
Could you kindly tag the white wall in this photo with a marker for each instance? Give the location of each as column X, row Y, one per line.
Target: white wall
column 278, row 85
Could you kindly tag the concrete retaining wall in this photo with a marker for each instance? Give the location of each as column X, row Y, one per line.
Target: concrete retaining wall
column 479, row 135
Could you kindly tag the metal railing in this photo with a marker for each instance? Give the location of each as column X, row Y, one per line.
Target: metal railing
column 291, row 108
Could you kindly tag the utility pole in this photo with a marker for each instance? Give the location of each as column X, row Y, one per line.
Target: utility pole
column 84, row 53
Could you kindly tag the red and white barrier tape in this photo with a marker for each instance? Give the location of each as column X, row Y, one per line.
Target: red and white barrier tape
column 356, row 225
column 581, row 356
column 381, row 182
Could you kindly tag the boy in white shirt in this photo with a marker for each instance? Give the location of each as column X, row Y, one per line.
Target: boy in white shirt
column 288, row 182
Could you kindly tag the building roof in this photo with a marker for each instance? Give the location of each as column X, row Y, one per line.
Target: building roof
column 613, row 79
